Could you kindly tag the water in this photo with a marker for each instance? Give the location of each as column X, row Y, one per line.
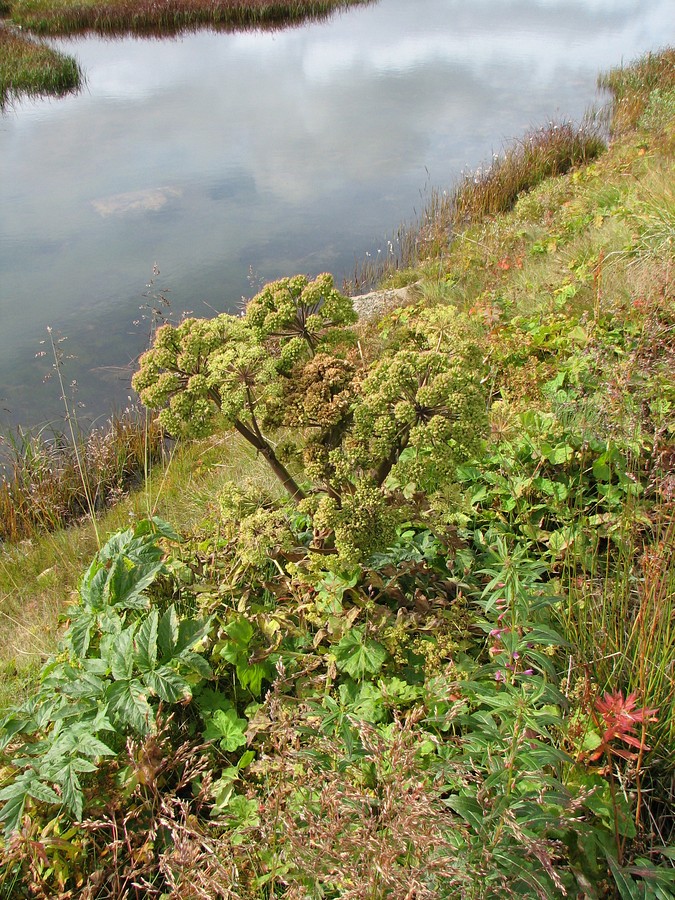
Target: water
column 227, row 160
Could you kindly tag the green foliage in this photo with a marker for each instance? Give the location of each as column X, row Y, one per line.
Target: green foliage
column 119, row 652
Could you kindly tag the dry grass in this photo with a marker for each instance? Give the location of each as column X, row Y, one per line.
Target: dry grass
column 488, row 192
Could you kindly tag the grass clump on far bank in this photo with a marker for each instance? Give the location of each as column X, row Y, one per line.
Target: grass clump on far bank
column 123, row 16
column 29, row 66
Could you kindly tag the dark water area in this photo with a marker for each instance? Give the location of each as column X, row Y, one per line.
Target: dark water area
column 226, row 160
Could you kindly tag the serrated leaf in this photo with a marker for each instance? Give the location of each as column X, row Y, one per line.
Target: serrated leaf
column 167, row 633
column 194, row 663
column 191, row 632
column 15, row 794
column 128, row 702
column 78, row 635
column 358, row 656
column 168, row 685
column 89, row 745
column 73, row 798
column 121, row 654
column 145, row 642
column 42, row 792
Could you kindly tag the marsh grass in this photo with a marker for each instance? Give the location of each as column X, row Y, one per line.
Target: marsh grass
column 29, row 66
column 632, row 88
column 487, row 192
column 171, row 16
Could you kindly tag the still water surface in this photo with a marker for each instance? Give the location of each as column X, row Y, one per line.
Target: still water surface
column 214, row 155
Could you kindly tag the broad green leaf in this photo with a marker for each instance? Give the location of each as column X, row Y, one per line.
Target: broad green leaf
column 167, row 633
column 358, row 656
column 191, row 632
column 121, row 655
column 92, row 587
column 195, row 664
column 628, row 889
column 168, row 685
column 89, row 745
column 468, row 808
column 145, row 642
column 240, row 632
column 251, row 676
column 15, row 795
column 72, row 790
column 42, row 792
column 226, row 728
column 363, row 700
column 127, row 582
column 128, row 703
column 78, row 635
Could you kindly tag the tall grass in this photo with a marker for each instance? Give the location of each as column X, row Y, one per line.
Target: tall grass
column 28, row 66
column 632, row 87
column 51, row 480
column 487, row 192
column 120, row 16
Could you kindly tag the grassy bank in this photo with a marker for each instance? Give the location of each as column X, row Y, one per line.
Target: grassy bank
column 133, row 16
column 29, row 67
column 427, row 650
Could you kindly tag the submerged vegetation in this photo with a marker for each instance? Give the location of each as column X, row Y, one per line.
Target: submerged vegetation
column 430, row 653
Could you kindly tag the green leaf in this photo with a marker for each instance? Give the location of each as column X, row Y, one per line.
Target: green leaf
column 73, row 798
column 358, row 656
column 78, row 635
column 191, row 632
column 15, row 794
column 226, row 728
column 128, row 702
column 42, row 792
column 145, row 643
column 194, row 663
column 168, row 685
column 121, row 654
column 628, row 889
column 240, row 631
column 167, row 633
column 468, row 808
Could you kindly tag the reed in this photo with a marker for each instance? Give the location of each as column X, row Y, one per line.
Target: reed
column 29, row 66
column 167, row 17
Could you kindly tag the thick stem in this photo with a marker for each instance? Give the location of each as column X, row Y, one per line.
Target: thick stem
column 282, row 473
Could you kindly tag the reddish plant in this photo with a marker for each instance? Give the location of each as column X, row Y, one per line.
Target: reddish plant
column 620, row 716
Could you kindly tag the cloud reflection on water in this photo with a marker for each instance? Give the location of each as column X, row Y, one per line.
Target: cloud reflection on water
column 283, row 151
